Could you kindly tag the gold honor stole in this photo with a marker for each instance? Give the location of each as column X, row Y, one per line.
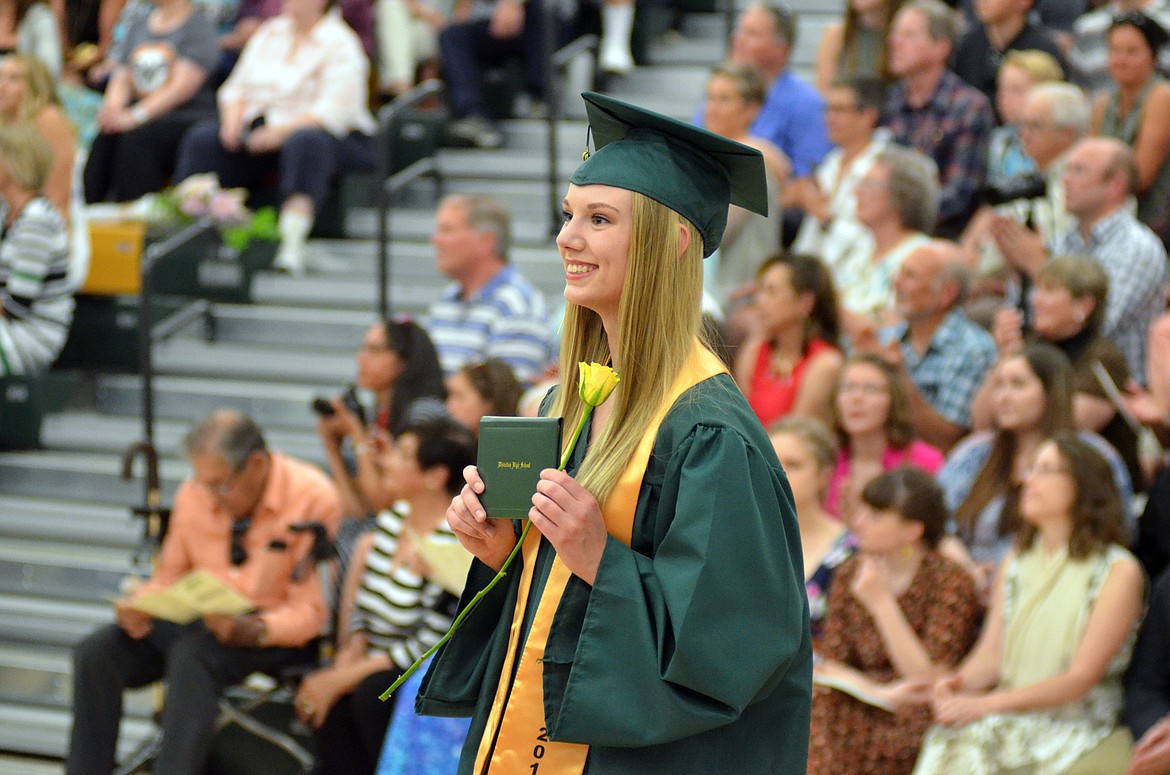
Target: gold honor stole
column 516, row 723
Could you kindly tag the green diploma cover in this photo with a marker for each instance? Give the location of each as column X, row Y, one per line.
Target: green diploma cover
column 512, row 453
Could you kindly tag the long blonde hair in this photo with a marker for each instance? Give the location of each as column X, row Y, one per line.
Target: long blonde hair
column 40, row 90
column 659, row 316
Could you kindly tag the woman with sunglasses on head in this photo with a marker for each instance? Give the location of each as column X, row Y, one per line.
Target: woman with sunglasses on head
column 397, row 610
column 670, row 631
column 398, row 364
column 1041, row 692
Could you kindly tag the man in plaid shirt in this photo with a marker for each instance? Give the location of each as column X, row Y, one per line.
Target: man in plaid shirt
column 933, row 111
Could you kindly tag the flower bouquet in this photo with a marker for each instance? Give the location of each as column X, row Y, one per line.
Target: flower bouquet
column 200, row 196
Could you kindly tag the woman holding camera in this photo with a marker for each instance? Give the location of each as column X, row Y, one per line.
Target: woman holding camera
column 398, row 364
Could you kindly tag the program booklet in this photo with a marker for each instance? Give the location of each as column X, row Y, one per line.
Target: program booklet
column 190, row 598
column 512, row 453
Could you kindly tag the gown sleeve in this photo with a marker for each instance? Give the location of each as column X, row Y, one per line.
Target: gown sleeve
column 682, row 641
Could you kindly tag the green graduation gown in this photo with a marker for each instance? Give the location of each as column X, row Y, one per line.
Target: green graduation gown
column 691, row 653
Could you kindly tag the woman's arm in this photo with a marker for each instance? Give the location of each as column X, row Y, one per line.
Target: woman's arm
column 828, row 53
column 980, row 670
column 1113, row 617
column 186, row 79
column 1152, row 144
column 812, row 397
column 58, row 132
column 1092, row 413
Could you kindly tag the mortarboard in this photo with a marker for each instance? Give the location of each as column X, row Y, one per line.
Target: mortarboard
column 692, row 171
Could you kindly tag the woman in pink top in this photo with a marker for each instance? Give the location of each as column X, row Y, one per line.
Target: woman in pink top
column 789, row 365
column 872, row 420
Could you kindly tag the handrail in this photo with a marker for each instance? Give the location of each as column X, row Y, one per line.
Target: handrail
column 729, row 23
column 386, row 120
column 558, row 65
column 151, row 507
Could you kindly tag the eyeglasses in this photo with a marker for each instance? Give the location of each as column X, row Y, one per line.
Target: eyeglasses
column 238, row 555
column 224, row 488
column 865, row 388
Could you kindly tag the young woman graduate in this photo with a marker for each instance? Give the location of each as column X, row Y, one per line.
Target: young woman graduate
column 658, row 621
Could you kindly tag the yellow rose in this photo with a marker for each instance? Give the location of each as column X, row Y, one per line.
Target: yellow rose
column 596, row 382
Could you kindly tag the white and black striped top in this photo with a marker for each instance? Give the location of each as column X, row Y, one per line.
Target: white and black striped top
column 34, row 288
column 401, row 613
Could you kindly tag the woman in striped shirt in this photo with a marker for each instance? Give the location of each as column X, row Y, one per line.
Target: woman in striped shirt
column 397, row 611
column 36, row 302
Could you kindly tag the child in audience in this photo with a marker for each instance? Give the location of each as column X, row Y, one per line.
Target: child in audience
column 482, row 389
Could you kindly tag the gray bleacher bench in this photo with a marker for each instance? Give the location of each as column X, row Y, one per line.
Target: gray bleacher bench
column 24, row 402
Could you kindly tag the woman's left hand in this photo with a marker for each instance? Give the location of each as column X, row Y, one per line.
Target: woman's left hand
column 570, row 518
column 264, row 139
column 871, row 583
column 317, row 694
column 956, row 710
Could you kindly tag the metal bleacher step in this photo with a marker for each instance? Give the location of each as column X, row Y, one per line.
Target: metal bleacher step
column 229, row 361
column 270, row 404
column 82, row 521
column 93, row 431
column 42, row 677
column 62, row 569
column 414, row 262
column 44, row 622
column 40, row 730
column 77, row 476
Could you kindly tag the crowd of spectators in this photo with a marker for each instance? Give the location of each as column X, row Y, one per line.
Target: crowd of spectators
column 961, row 360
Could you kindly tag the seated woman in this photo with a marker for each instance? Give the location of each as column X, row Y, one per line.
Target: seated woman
column 398, row 611
column 807, row 451
column 481, row 389
column 897, row 203
column 27, row 93
column 295, row 104
column 735, row 94
column 871, row 416
column 398, row 364
column 1068, row 308
column 1133, row 109
column 407, row 34
column 30, row 28
column 36, row 302
column 790, row 363
column 982, row 477
column 1041, row 691
column 157, row 91
column 900, row 613
column 1147, row 688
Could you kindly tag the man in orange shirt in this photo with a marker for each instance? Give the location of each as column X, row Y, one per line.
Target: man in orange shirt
column 233, row 518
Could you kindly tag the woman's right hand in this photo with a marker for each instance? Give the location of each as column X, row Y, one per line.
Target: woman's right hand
column 1007, row 328
column 489, row 540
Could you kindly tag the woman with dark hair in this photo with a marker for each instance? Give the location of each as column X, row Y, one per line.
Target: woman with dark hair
column 982, row 477
column 398, row 364
column 1042, row 690
column 482, row 389
column 1068, row 308
column 397, row 610
column 790, row 364
column 900, row 613
column 1134, row 109
column 871, row 417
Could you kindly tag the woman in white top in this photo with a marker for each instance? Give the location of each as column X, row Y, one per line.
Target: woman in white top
column 296, row 103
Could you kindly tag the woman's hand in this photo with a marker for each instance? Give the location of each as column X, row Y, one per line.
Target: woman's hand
column 115, row 120
column 317, row 694
column 1007, row 328
column 347, row 421
column 264, row 139
column 570, row 518
column 906, row 693
column 489, row 540
column 871, row 584
column 229, row 134
column 1151, row 755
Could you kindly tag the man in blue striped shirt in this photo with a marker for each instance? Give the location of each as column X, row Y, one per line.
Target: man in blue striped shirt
column 490, row 310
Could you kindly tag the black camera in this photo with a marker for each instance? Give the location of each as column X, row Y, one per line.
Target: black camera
column 1034, row 185
column 349, row 398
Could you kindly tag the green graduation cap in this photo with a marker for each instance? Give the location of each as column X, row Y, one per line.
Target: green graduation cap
column 692, row 171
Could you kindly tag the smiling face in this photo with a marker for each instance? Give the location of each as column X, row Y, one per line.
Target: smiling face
column 863, row 399
column 594, row 243
column 1018, row 396
column 778, row 304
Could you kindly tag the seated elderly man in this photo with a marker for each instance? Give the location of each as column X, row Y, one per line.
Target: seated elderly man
column 232, row 519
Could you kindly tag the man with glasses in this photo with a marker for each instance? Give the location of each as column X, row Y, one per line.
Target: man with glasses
column 246, row 516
